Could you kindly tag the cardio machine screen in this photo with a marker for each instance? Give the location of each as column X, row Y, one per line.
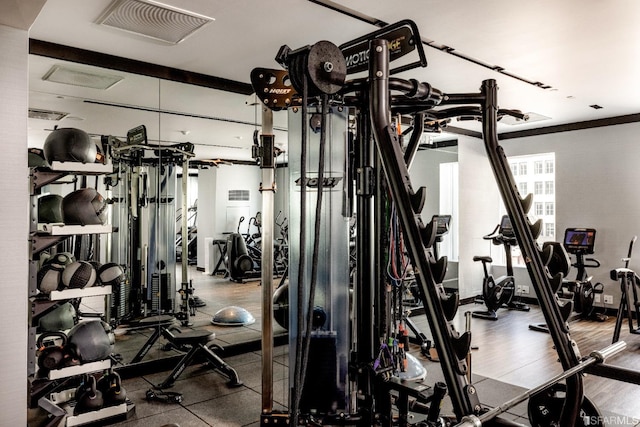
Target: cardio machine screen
column 442, row 224
column 579, row 240
column 506, row 229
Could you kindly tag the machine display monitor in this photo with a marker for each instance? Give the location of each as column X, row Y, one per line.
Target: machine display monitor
column 442, row 224
column 579, row 240
column 506, row 229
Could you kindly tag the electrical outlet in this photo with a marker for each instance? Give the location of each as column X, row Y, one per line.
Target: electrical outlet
column 596, row 298
column 524, row 289
column 608, row 299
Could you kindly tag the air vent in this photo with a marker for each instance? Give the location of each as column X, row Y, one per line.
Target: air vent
column 238, row 195
column 152, row 19
column 35, row 113
column 81, row 77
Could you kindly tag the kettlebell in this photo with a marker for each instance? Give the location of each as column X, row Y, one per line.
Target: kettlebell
column 111, row 387
column 51, row 357
column 88, row 397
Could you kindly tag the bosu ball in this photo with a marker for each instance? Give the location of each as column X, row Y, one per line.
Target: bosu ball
column 233, row 316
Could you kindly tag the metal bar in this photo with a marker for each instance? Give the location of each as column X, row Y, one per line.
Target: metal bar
column 414, row 142
column 184, row 259
column 618, row 373
column 595, row 357
column 366, row 279
column 566, row 348
column 400, row 186
column 267, row 190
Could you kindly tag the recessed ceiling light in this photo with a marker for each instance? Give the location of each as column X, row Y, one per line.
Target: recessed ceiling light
column 152, row 19
column 77, row 76
column 36, row 113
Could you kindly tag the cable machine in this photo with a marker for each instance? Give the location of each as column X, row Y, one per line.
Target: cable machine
column 143, row 191
column 349, row 334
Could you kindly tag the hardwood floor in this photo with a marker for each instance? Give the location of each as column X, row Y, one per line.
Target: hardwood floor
column 507, row 351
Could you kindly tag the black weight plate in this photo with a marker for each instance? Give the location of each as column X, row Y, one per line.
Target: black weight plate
column 545, row 409
column 326, row 80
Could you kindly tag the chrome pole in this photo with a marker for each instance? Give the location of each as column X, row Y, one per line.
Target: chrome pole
column 267, row 188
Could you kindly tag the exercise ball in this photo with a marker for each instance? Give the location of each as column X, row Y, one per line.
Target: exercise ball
column 91, row 341
column 110, row 274
column 69, row 145
column 61, row 318
column 49, row 278
column 61, row 259
column 281, row 306
column 233, row 316
column 79, row 274
column 84, row 207
column 50, row 209
column 36, row 158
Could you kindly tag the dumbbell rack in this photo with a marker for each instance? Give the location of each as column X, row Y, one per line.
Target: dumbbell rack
column 52, row 397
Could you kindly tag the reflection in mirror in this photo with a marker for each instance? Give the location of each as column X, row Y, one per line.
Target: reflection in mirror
column 436, row 167
column 146, row 195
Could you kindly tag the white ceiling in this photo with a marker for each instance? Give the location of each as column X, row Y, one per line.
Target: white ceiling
column 586, row 51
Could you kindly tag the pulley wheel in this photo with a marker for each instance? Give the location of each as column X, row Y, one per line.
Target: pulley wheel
column 545, row 409
column 323, row 65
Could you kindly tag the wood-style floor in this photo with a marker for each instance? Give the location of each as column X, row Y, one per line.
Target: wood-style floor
column 510, row 355
column 509, row 352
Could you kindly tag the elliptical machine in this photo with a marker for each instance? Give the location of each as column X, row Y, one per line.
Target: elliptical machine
column 500, row 292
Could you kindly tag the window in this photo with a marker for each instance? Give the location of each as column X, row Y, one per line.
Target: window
column 537, row 167
column 538, row 208
column 548, row 187
column 522, row 188
column 537, row 187
column 534, row 173
column 549, row 208
column 522, row 168
column 549, row 166
column 550, row 229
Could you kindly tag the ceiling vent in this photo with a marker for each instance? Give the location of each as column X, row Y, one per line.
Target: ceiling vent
column 151, row 19
column 80, row 77
column 35, row 113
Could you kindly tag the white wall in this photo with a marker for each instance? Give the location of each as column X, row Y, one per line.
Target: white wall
column 597, row 174
column 14, row 223
column 478, row 210
column 213, row 188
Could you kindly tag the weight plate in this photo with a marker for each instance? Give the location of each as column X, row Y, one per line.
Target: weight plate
column 326, row 67
column 545, row 409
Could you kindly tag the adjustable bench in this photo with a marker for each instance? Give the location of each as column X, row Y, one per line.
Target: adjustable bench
column 193, row 341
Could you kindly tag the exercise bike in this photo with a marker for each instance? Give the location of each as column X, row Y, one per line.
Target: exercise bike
column 580, row 242
column 580, row 291
column 499, row 292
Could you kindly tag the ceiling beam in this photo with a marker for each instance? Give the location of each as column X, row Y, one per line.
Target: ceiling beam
column 73, row 54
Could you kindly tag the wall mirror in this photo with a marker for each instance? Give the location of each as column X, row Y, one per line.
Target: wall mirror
column 220, row 125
